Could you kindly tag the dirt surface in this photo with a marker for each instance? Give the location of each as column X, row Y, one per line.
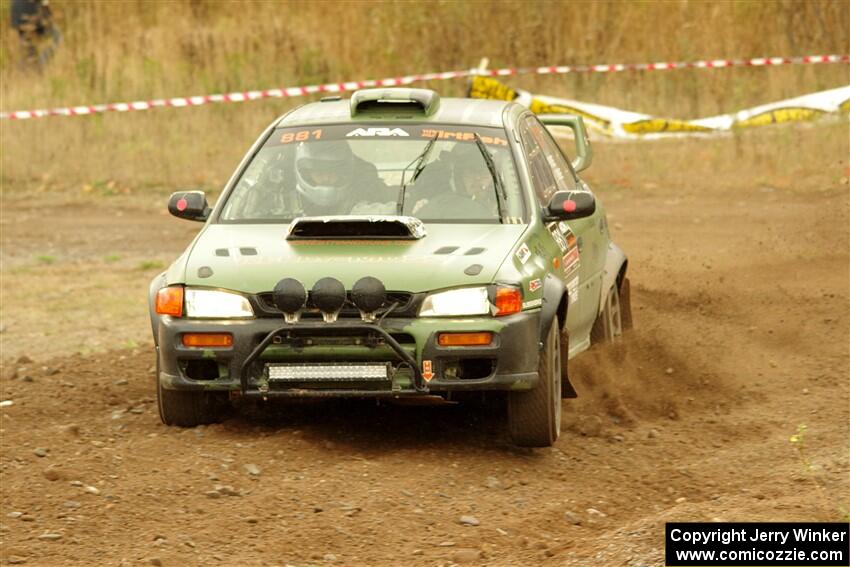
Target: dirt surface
column 741, row 313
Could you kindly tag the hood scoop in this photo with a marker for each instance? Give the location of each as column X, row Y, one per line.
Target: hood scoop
column 356, row 227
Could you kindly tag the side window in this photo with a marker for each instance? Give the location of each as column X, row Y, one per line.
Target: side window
column 562, row 170
column 541, row 173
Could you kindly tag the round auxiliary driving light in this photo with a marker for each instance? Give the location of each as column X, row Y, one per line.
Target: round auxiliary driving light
column 290, row 296
column 368, row 294
column 329, row 296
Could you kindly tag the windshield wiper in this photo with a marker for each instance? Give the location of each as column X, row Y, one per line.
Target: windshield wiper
column 497, row 180
column 420, row 165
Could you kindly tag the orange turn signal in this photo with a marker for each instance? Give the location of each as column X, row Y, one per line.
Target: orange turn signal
column 508, row 301
column 169, row 301
column 207, row 339
column 483, row 338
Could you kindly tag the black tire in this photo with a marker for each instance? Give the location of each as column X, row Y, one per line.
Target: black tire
column 626, row 304
column 609, row 326
column 567, row 390
column 534, row 416
column 185, row 408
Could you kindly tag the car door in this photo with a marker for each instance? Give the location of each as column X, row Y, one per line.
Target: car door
column 580, row 241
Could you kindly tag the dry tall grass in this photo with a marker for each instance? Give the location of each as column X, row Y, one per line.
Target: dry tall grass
column 128, row 50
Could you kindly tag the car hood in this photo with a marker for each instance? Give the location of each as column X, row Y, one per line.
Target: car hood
column 253, row 258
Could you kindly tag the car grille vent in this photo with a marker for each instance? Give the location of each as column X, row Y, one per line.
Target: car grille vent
column 446, row 250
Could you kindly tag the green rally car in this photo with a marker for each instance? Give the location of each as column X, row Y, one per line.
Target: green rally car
column 392, row 245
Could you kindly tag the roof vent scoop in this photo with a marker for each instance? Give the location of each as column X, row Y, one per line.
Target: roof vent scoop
column 371, row 102
column 356, row 227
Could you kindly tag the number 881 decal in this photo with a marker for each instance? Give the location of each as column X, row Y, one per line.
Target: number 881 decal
column 300, row 136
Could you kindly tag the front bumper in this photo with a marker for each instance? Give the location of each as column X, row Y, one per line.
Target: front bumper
column 406, row 345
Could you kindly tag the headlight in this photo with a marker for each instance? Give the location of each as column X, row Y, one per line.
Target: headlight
column 463, row 301
column 213, row 304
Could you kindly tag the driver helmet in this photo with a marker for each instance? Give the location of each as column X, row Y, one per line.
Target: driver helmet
column 323, row 171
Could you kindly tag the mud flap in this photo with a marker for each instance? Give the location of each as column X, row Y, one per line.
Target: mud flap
column 553, row 291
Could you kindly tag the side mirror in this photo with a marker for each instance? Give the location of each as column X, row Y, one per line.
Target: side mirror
column 189, row 205
column 584, row 151
column 570, row 205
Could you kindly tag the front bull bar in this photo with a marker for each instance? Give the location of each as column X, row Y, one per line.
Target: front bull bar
column 418, row 381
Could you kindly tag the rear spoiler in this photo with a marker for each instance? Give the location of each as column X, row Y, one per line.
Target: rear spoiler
column 584, row 153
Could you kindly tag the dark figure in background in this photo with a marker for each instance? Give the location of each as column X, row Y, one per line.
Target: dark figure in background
column 33, row 21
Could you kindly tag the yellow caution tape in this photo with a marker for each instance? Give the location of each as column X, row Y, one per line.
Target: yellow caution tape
column 779, row 115
column 655, row 125
column 616, row 122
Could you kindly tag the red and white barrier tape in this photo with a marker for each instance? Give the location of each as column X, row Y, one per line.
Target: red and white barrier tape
column 287, row 92
column 229, row 97
column 668, row 65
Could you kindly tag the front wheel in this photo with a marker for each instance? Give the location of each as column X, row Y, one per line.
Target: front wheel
column 534, row 416
column 616, row 315
column 187, row 408
column 626, row 304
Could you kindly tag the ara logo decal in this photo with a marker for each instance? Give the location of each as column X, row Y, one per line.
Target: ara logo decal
column 534, row 285
column 427, row 370
column 377, row 132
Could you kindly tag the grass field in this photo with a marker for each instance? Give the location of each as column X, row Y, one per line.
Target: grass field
column 130, row 50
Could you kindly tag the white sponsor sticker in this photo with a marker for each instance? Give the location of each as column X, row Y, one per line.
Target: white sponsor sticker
column 532, row 303
column 523, row 254
column 559, row 239
column 572, row 290
column 571, row 239
column 571, row 261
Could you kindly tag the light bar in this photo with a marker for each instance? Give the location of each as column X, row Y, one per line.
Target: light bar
column 328, row 372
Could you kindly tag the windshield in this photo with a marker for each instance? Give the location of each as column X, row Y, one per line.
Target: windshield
column 366, row 169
